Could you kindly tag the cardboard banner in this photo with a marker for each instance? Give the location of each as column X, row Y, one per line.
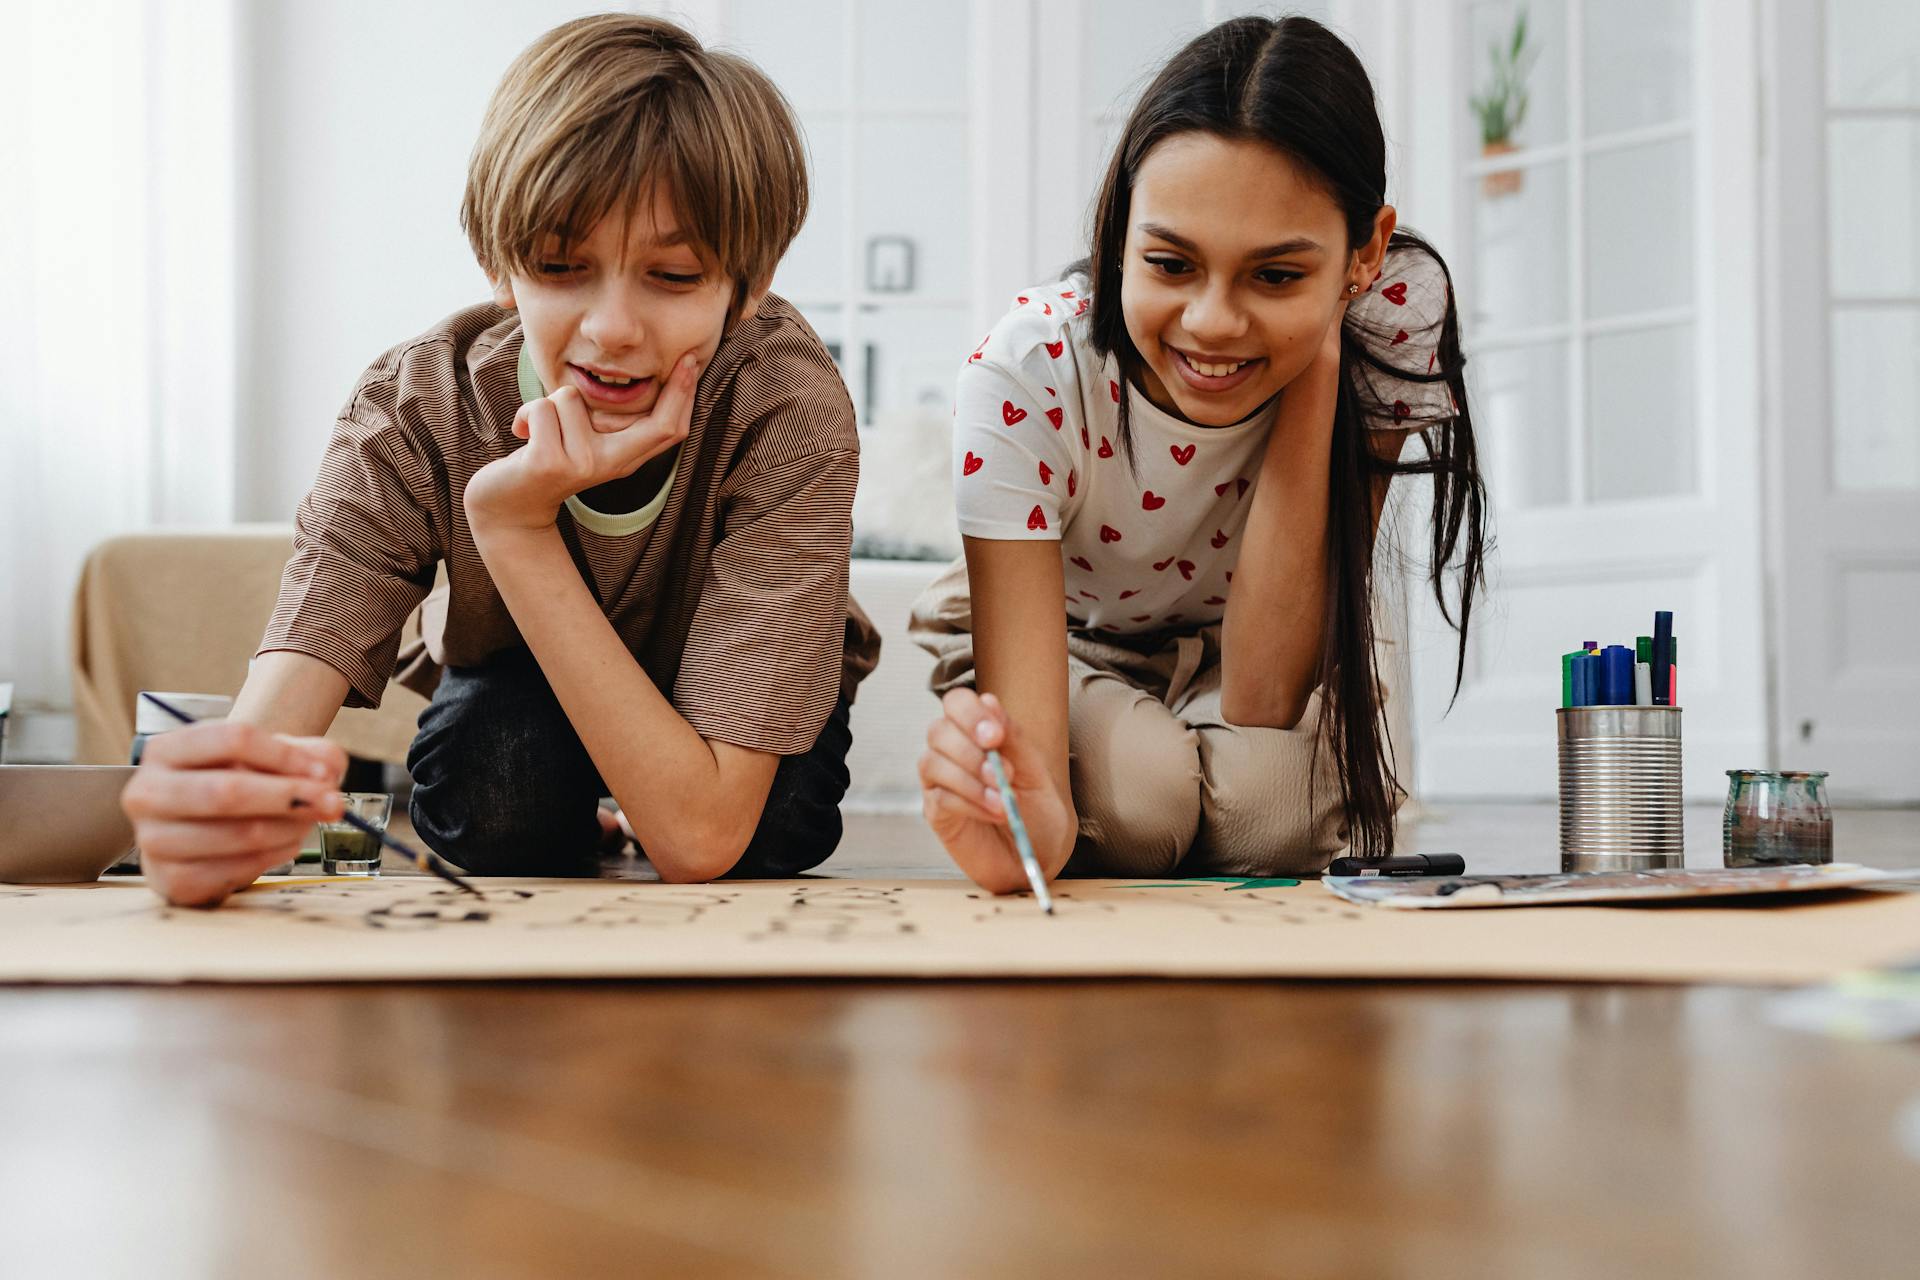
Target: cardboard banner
column 415, row 929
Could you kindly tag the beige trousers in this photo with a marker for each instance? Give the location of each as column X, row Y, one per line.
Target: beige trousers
column 1162, row 783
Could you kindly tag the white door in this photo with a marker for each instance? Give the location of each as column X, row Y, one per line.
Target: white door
column 1844, row 357
column 1605, row 270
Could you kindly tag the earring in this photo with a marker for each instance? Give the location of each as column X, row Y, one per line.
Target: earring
column 1352, row 289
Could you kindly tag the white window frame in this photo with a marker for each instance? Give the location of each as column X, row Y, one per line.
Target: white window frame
column 1576, row 151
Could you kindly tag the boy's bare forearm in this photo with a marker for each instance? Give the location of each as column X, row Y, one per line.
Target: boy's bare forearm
column 693, row 805
column 290, row 693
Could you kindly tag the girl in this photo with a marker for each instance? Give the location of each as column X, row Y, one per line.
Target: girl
column 1169, row 470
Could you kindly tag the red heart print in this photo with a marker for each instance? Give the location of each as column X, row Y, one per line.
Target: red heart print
column 1046, row 308
column 1181, row 456
column 1083, row 563
column 1036, row 519
column 1151, row 501
column 973, row 357
column 1055, row 415
column 1010, row 413
column 1141, row 617
column 1085, row 443
column 1128, row 595
column 1161, row 567
column 1185, row 566
column 1069, row 294
column 1219, row 539
column 1055, row 348
column 1396, row 293
column 1073, row 481
column 1106, row 450
column 1113, row 389
column 1398, row 338
column 1220, row 490
column 1242, row 482
column 1215, row 600
column 1082, row 308
column 1052, row 392
column 1046, row 473
column 1089, row 595
column 972, row 464
column 1020, row 301
column 1109, row 534
column 1401, row 409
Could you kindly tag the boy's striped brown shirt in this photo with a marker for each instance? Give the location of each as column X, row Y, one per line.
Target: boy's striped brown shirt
column 734, row 600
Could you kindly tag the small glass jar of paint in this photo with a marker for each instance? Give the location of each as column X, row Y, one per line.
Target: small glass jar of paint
column 1777, row 818
column 347, row 850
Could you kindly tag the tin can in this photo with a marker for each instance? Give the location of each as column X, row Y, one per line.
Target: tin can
column 1620, row 799
column 149, row 720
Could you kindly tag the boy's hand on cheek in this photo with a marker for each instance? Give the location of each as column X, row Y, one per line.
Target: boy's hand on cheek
column 571, row 449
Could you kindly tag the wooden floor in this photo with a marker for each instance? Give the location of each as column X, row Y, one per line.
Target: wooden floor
column 959, row 1129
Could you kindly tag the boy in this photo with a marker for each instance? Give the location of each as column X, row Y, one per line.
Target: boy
column 648, row 596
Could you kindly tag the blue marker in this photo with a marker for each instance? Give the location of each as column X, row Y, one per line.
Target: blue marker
column 1586, row 680
column 1662, row 672
column 1616, row 676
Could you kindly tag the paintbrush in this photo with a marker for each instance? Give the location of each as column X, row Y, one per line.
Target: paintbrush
column 426, row 860
column 1028, row 863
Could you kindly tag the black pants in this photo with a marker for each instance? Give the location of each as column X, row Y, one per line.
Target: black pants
column 503, row 785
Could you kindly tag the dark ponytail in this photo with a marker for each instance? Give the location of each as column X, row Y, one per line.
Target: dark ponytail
column 1293, row 85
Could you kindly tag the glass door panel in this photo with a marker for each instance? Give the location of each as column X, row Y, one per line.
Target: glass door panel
column 1640, row 414
column 1520, row 276
column 1520, row 395
column 1875, row 361
column 1873, row 53
column 1873, row 168
column 1638, row 64
column 1639, row 228
column 1490, row 29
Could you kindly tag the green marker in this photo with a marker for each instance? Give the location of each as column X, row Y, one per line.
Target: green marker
column 1566, row 676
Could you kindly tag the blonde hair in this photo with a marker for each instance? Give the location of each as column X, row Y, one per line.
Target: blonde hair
column 599, row 111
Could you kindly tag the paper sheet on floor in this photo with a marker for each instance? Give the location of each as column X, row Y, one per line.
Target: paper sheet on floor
column 413, row 929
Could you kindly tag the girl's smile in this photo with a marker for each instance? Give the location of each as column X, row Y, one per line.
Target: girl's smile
column 1236, row 262
column 1214, row 375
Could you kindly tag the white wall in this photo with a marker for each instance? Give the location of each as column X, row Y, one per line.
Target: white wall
column 358, row 118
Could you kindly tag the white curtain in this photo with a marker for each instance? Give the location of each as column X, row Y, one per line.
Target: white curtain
column 118, row 264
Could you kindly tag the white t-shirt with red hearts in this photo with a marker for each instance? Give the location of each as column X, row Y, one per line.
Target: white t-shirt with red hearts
column 1151, row 546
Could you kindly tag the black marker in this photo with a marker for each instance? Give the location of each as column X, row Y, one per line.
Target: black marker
column 1408, row 864
column 426, row 861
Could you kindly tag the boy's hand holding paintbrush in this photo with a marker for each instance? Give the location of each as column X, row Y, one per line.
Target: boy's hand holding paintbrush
column 214, row 806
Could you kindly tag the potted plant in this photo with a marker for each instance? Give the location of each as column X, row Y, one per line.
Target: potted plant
column 1503, row 106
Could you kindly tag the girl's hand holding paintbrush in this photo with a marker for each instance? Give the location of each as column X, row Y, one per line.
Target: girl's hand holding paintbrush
column 961, row 800
column 215, row 806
